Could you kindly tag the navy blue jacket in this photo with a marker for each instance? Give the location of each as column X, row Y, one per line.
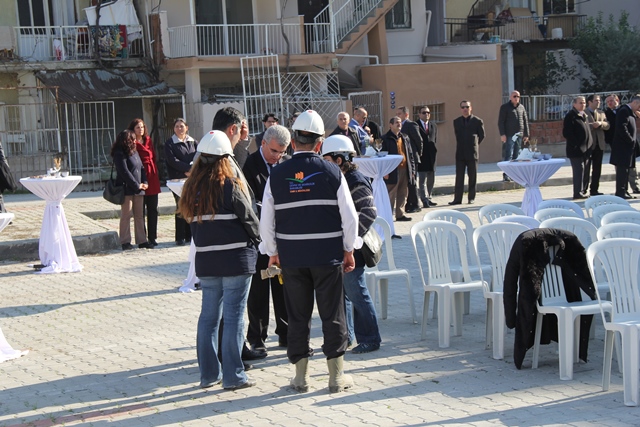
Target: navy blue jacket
column 130, row 172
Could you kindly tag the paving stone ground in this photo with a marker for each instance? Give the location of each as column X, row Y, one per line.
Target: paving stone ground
column 115, row 345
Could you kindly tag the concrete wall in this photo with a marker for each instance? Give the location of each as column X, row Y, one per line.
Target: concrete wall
column 406, row 45
column 9, row 15
column 449, row 83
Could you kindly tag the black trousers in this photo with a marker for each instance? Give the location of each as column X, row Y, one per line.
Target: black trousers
column 183, row 229
column 258, row 306
column 578, row 169
column 586, row 177
column 151, row 213
column 622, row 180
column 596, row 172
column 300, row 285
column 412, row 196
column 471, row 167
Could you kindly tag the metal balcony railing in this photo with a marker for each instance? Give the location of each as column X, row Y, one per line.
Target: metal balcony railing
column 72, row 43
column 248, row 39
column 460, row 30
column 345, row 15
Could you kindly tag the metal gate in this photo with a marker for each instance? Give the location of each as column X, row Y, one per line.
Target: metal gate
column 88, row 131
column 372, row 102
column 261, row 88
column 319, row 91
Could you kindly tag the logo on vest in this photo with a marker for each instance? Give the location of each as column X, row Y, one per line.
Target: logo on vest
column 299, row 183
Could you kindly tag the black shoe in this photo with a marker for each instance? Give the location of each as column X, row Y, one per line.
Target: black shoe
column 636, row 191
column 145, row 245
column 247, row 366
column 180, row 242
column 198, row 286
column 153, row 242
column 259, row 347
column 472, row 201
column 455, row 203
column 248, row 354
column 413, row 210
column 505, row 178
column 432, row 203
column 395, row 236
column 628, row 196
column 404, row 218
column 250, row 383
column 579, row 196
column 596, row 193
column 127, row 247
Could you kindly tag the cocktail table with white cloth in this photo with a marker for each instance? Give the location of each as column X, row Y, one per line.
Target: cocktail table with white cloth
column 377, row 168
column 56, row 249
column 531, row 174
column 6, row 351
column 188, row 284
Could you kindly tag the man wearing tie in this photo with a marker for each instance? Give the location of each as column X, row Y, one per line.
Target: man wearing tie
column 257, row 170
column 427, row 166
column 623, row 144
column 599, row 124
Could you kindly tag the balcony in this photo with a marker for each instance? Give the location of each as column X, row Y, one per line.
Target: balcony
column 476, row 29
column 76, row 43
column 248, row 39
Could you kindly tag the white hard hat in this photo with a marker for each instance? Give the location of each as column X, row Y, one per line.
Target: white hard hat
column 215, row 142
column 309, row 121
column 337, row 144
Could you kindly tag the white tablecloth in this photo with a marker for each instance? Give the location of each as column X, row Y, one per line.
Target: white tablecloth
column 5, row 219
column 377, row 168
column 6, row 351
column 531, row 175
column 188, row 284
column 56, row 249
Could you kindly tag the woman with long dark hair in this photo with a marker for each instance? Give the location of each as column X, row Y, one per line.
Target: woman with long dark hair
column 147, row 154
column 130, row 174
column 225, row 232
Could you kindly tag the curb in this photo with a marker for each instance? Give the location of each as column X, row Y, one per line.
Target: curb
column 28, row 250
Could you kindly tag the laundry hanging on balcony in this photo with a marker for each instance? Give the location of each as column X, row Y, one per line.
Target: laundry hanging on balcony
column 120, row 12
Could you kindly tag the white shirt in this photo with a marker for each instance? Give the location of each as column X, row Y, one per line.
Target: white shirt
column 350, row 238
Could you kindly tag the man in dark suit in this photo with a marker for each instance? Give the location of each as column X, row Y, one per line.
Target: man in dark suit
column 469, row 131
column 427, row 166
column 257, row 169
column 343, row 128
column 599, row 124
column 577, row 132
column 395, row 142
column 268, row 120
column 624, row 143
column 412, row 130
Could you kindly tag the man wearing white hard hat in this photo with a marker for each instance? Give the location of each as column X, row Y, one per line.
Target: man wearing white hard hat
column 362, row 322
column 225, row 232
column 309, row 227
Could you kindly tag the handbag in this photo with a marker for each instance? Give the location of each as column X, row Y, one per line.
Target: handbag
column 371, row 247
column 113, row 193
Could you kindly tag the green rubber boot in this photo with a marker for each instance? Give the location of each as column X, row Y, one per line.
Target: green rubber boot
column 338, row 381
column 300, row 382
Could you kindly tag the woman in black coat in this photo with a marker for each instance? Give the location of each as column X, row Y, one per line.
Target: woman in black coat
column 130, row 174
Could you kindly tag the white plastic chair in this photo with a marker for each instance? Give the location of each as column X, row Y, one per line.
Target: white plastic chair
column 548, row 213
column 630, row 217
column 378, row 280
column 562, row 204
column 476, row 269
column 525, row 220
column 498, row 239
column 488, row 213
column 605, row 199
column 599, row 212
column 583, row 229
column 620, row 258
column 621, row 229
column 554, row 301
column 435, row 237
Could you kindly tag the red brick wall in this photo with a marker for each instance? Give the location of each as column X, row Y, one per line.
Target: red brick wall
column 547, row 132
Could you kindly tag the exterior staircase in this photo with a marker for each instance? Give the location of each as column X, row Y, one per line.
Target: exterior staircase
column 353, row 19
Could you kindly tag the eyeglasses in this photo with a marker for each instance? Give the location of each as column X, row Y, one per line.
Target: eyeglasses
column 515, row 96
column 464, row 107
column 425, row 112
column 276, row 152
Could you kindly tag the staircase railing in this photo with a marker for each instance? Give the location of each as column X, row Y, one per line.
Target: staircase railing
column 344, row 16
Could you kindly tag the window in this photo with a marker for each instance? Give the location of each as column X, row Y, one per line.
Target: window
column 435, row 108
column 399, row 16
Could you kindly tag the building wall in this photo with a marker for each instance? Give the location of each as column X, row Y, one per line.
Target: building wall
column 9, row 15
column 476, row 81
column 406, row 45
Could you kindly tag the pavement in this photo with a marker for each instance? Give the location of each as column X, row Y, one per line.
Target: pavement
column 115, row 344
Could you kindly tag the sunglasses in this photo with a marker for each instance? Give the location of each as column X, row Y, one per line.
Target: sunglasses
column 425, row 112
column 464, row 107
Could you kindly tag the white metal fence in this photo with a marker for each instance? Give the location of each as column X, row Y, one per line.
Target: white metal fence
column 372, row 102
column 541, row 108
column 62, row 43
column 345, row 15
column 319, row 91
column 248, row 39
column 262, row 89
